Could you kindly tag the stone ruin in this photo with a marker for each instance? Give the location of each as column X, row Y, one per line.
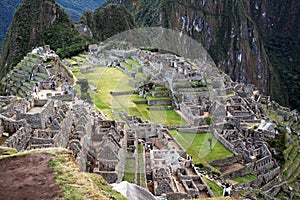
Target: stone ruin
column 168, row 168
column 211, row 102
column 59, row 119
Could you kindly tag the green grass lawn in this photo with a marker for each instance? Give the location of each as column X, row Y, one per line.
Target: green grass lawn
column 108, row 79
column 129, row 174
column 197, row 145
column 130, row 60
column 216, row 189
column 246, row 178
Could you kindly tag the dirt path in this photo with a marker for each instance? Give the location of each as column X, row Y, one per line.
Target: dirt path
column 27, row 177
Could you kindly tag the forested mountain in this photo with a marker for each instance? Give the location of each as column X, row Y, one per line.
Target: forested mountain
column 254, row 41
column 40, row 22
column 74, row 8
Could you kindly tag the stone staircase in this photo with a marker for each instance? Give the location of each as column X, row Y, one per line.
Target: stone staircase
column 292, row 156
column 21, row 80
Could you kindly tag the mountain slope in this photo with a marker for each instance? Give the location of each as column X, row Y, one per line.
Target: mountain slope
column 37, row 23
column 108, row 20
column 7, row 9
column 73, row 8
column 237, row 34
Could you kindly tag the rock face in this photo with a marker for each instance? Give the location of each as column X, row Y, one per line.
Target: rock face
column 34, row 23
column 237, row 34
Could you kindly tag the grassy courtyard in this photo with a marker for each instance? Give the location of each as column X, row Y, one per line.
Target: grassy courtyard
column 244, row 179
column 197, row 145
column 107, row 80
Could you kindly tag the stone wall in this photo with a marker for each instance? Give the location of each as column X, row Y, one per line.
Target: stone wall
column 122, row 93
column 224, row 142
column 226, row 161
column 63, row 97
column 38, row 120
column 20, row 130
column 64, row 131
column 152, row 102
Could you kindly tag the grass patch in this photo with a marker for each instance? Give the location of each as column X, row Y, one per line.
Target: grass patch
column 135, row 63
column 129, row 174
column 245, row 179
column 101, row 183
column 129, row 67
column 198, row 147
column 72, row 62
column 216, row 189
column 150, row 97
column 7, row 151
column 112, row 80
column 78, row 185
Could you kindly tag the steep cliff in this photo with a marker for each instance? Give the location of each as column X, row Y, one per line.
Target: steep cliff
column 245, row 38
column 279, row 26
column 36, row 23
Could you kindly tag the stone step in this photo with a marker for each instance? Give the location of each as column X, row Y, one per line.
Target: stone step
column 291, row 156
column 38, row 79
column 17, row 84
column 21, row 93
column 25, row 67
column 28, row 63
column 20, row 77
column 35, row 55
column 34, row 60
column 293, row 167
column 42, row 75
column 14, row 89
column 295, row 176
column 270, row 184
column 25, row 89
column 29, row 86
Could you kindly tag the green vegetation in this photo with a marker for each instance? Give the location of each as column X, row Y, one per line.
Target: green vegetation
column 129, row 174
column 102, row 185
column 216, row 189
column 73, row 8
column 141, row 177
column 78, row 185
column 279, row 143
column 244, row 179
column 108, row 20
column 7, row 151
column 197, row 145
column 110, row 80
column 60, row 34
column 135, row 63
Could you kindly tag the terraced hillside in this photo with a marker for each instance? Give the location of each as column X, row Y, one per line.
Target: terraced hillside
column 34, row 70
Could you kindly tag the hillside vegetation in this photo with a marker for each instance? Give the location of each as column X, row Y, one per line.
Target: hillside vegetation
column 73, row 8
column 38, row 23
